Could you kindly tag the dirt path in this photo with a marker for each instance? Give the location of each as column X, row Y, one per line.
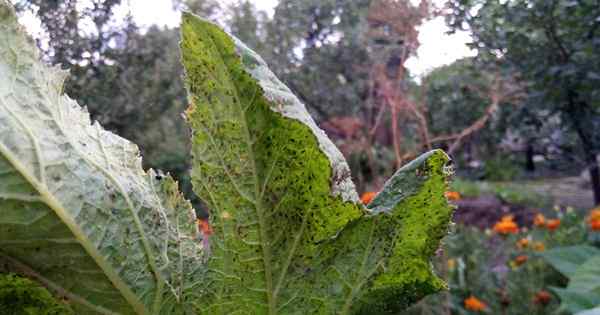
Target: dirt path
column 568, row 191
column 485, row 209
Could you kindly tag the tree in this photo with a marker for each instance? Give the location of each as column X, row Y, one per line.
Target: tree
column 248, row 24
column 136, row 96
column 462, row 101
column 393, row 37
column 553, row 46
column 76, row 31
column 104, row 58
column 128, row 79
column 317, row 48
column 205, row 8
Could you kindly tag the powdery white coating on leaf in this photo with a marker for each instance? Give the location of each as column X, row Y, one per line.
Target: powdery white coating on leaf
column 77, row 211
column 290, row 106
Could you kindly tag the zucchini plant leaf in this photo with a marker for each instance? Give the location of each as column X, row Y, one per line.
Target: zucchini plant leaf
column 290, row 236
column 581, row 264
column 594, row 311
column 575, row 302
column 77, row 211
column 584, row 285
column 569, row 258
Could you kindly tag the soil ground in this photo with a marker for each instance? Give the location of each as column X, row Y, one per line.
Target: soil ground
column 568, row 191
column 486, row 209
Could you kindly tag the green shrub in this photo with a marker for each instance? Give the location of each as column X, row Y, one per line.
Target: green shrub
column 500, row 168
column 514, row 193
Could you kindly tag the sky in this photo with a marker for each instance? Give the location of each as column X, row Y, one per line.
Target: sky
column 437, row 48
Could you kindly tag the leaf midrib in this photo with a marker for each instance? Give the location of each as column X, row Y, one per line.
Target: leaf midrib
column 362, row 274
column 47, row 198
column 258, row 204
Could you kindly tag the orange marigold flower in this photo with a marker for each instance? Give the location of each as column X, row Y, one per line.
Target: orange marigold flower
column 204, row 227
column 523, row 243
column 542, row 297
column 452, row 195
column 474, row 304
column 553, row 224
column 367, row 197
column 521, row 259
column 506, row 225
column 539, row 220
column 538, row 246
column 595, row 214
column 595, row 225
column 451, row 263
column 594, row 219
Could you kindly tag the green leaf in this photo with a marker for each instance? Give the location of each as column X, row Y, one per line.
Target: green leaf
column 77, row 211
column 583, row 290
column 574, row 302
column 289, row 234
column 567, row 259
column 587, row 276
column 594, row 311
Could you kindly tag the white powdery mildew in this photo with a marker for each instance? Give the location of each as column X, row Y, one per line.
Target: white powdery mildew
column 135, row 227
column 287, row 104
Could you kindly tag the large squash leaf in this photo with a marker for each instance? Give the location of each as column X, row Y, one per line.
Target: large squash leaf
column 582, row 294
column 568, row 259
column 77, row 211
column 289, row 234
column 581, row 264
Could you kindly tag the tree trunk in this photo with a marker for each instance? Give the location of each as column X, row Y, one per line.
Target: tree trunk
column 577, row 113
column 529, row 164
column 594, row 170
column 591, row 163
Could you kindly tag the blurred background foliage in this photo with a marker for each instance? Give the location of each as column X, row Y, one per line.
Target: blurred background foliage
column 521, row 118
column 525, row 107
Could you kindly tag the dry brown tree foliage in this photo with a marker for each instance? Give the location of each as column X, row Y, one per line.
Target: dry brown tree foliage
column 393, row 37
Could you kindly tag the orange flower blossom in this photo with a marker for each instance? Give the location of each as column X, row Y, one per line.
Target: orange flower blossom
column 523, row 243
column 594, row 219
column 552, row 224
column 506, row 225
column 539, row 220
column 542, row 297
column 521, row 259
column 474, row 304
column 206, row 231
column 451, row 263
column 595, row 214
column 452, row 195
column 538, row 246
column 204, row 227
column 367, row 197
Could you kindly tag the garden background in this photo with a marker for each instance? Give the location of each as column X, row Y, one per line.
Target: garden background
column 520, row 118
